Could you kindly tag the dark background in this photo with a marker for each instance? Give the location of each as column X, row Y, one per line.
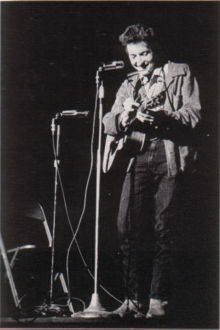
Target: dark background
column 50, row 54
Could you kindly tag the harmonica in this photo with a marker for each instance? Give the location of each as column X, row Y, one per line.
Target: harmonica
column 135, row 73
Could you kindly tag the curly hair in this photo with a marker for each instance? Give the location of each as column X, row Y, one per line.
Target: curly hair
column 135, row 33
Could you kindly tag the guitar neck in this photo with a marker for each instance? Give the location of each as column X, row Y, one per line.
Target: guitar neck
column 153, row 103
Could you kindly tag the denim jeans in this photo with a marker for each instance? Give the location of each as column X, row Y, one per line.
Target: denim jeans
column 147, row 201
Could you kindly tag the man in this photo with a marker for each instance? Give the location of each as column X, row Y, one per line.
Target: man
column 158, row 105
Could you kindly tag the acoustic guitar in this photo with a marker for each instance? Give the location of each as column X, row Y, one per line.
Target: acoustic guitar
column 133, row 140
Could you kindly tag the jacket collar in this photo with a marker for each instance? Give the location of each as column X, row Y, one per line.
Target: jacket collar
column 171, row 70
column 133, row 79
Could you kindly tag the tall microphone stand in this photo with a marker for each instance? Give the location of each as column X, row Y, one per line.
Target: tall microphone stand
column 95, row 308
column 52, row 307
column 54, row 130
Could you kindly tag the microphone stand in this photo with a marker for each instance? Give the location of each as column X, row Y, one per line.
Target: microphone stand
column 56, row 163
column 95, row 309
column 52, row 307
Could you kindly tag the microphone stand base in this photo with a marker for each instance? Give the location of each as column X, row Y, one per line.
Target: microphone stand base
column 49, row 310
column 95, row 309
column 91, row 315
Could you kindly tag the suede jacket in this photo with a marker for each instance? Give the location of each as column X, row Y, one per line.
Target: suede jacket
column 182, row 108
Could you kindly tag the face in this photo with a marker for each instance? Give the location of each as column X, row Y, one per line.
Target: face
column 141, row 55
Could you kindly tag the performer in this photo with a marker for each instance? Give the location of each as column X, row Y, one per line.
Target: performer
column 157, row 108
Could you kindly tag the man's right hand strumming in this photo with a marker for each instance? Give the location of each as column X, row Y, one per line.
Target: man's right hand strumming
column 129, row 113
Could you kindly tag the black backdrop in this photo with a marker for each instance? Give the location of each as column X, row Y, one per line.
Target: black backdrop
column 50, row 53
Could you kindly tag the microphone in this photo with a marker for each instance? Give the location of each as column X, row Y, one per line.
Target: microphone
column 115, row 65
column 74, row 113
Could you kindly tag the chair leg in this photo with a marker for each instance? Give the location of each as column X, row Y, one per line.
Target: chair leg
column 9, row 274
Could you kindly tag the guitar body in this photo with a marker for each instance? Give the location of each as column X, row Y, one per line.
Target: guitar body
column 112, row 146
column 130, row 144
column 135, row 142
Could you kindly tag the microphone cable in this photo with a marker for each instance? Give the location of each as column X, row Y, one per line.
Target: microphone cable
column 83, row 209
column 84, row 199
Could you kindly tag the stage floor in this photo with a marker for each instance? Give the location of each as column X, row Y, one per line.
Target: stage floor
column 85, row 323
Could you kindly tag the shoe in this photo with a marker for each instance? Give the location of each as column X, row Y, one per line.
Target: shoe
column 156, row 308
column 129, row 307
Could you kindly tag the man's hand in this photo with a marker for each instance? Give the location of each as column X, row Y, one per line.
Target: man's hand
column 145, row 117
column 129, row 113
column 151, row 116
column 130, row 104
